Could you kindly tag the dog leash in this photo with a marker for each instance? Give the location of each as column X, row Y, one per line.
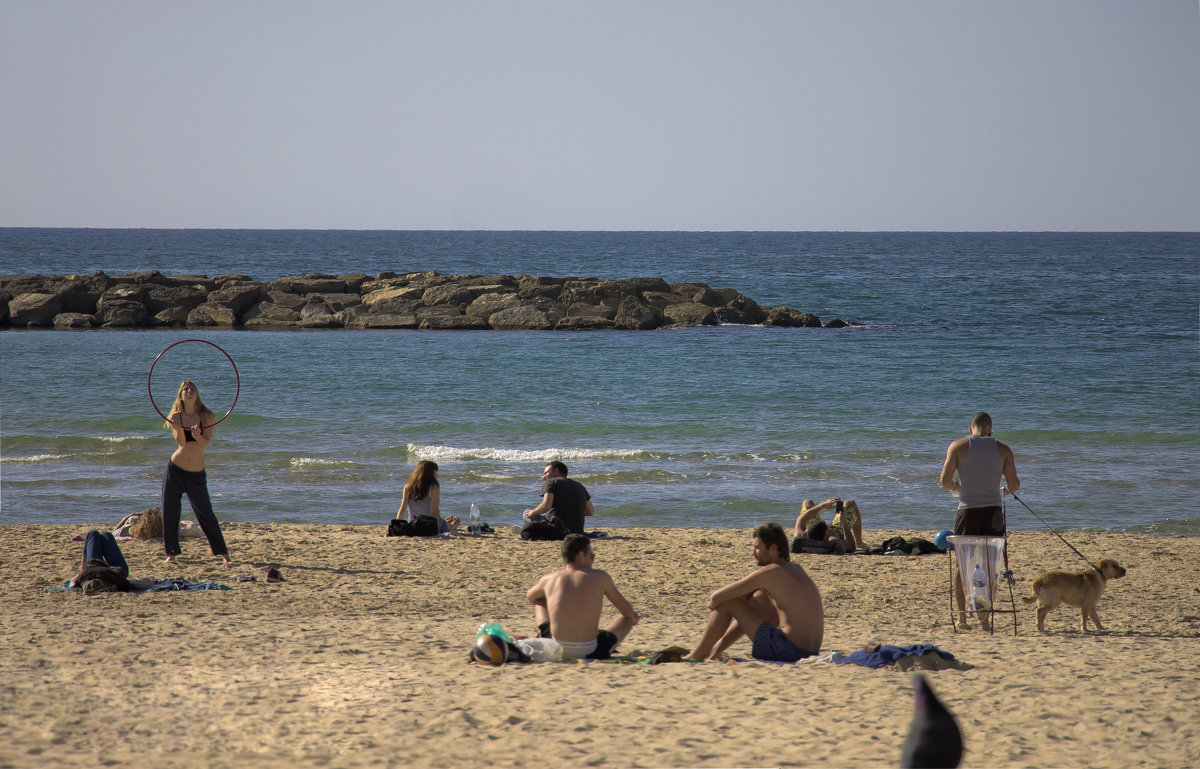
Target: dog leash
column 1060, row 536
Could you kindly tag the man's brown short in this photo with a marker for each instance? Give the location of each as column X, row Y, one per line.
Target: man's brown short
column 980, row 521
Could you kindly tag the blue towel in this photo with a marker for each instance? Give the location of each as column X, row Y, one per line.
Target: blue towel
column 887, row 654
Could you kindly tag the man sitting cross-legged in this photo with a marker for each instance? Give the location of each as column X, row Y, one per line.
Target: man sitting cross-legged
column 567, row 604
column 777, row 605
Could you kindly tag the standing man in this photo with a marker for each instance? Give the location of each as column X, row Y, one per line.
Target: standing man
column 777, row 605
column 563, row 499
column 980, row 461
column 567, row 604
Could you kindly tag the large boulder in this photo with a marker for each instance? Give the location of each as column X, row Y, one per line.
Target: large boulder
column 650, row 284
column 313, row 284
column 120, row 313
column 30, row 310
column 524, row 317
column 171, row 316
column 488, row 304
column 283, row 299
column 268, row 313
column 450, row 294
column 603, row 311
column 584, row 323
column 140, row 278
column 384, row 320
column 638, row 315
column 338, row 302
column 238, row 296
column 199, row 282
column 353, row 281
column 690, row 314
column 539, row 286
column 25, row 284
column 786, row 316
column 393, row 295
column 160, row 298
column 741, row 310
column 74, row 320
column 79, row 293
column 124, row 292
column 661, row 299
column 212, row 314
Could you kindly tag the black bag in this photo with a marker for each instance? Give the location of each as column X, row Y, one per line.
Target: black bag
column 543, row 529
column 421, row 526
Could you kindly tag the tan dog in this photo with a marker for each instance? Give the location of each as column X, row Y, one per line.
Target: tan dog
column 1080, row 589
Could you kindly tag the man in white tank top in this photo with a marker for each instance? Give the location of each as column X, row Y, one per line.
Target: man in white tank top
column 980, row 462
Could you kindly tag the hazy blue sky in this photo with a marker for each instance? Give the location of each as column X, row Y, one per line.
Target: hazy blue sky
column 658, row 114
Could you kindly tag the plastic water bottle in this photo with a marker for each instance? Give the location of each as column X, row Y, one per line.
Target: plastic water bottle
column 474, row 527
column 978, row 581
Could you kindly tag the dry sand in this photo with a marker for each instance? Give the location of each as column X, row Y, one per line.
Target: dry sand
column 360, row 658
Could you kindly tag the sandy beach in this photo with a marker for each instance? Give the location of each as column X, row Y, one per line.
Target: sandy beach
column 360, row 658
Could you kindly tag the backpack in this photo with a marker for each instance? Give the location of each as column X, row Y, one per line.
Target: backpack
column 421, row 526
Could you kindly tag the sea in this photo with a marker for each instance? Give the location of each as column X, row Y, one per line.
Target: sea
column 1083, row 347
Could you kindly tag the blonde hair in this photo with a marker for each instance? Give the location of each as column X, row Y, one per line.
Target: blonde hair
column 207, row 417
column 148, row 526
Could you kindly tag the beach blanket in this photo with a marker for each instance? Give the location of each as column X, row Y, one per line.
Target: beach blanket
column 158, row 586
column 902, row 546
column 887, row 654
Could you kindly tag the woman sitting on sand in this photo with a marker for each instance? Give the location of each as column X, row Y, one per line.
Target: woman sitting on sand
column 421, row 495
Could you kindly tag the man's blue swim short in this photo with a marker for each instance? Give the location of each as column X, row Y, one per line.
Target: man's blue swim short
column 771, row 644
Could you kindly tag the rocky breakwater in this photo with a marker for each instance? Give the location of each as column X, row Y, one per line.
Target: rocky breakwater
column 424, row 300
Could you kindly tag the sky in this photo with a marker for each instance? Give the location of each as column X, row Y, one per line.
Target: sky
column 616, row 115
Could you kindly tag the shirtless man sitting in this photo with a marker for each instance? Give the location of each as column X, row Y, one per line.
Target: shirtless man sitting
column 567, row 604
column 777, row 605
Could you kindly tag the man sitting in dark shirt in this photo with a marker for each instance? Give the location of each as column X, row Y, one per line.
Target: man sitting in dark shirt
column 563, row 499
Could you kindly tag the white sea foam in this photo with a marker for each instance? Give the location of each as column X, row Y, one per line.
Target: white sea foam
column 317, row 463
column 457, row 454
column 35, row 459
column 121, row 438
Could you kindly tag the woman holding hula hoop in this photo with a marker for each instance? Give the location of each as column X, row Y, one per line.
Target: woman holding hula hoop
column 191, row 422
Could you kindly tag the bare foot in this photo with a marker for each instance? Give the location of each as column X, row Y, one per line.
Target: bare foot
column 170, row 559
column 226, row 558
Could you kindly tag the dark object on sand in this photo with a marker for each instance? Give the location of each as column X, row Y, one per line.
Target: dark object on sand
column 934, row 739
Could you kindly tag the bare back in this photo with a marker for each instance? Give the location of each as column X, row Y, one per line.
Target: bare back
column 796, row 598
column 574, row 600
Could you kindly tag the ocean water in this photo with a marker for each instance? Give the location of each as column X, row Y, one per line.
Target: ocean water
column 1085, row 349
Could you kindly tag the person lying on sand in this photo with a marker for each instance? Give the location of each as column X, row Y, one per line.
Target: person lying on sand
column 778, row 606
column 103, row 568
column 567, row 604
column 847, row 520
column 819, row 531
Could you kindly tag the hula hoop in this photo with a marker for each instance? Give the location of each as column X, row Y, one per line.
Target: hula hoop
column 237, row 376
